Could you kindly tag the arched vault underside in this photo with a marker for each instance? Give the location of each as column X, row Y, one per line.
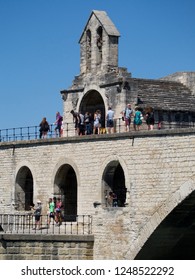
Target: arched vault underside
column 174, row 238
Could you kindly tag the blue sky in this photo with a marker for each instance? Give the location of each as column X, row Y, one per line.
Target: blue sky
column 40, row 53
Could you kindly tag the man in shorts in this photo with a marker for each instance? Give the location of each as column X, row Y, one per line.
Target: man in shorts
column 127, row 113
column 37, row 213
column 51, row 211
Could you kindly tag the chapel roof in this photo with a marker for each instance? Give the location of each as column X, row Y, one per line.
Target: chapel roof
column 105, row 22
column 165, row 95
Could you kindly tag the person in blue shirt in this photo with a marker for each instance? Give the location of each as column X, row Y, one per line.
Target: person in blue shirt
column 127, row 114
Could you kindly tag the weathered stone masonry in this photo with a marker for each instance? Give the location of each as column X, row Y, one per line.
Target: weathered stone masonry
column 159, row 168
column 40, row 247
column 154, row 170
column 102, row 83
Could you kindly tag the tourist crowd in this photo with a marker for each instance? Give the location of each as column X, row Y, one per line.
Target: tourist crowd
column 96, row 123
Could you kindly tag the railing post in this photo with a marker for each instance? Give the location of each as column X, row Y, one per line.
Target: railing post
column 7, row 134
column 14, row 134
column 51, row 130
column 67, row 129
column 28, row 133
column 119, row 130
column 77, row 224
column 90, row 224
column 36, row 133
column 21, row 137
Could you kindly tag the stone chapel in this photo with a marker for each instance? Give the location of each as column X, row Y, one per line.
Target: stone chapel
column 102, row 83
column 151, row 172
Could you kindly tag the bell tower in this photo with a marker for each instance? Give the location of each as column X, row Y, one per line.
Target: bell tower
column 98, row 44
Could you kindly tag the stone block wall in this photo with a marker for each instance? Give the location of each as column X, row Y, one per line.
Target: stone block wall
column 159, row 168
column 40, row 247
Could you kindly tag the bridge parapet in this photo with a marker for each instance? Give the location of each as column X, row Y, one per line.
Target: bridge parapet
column 32, row 132
column 156, row 169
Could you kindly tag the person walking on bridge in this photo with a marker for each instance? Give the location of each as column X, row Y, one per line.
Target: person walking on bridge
column 110, row 120
column 127, row 113
column 37, row 213
column 58, row 123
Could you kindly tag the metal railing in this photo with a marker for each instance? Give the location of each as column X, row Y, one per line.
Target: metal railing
column 25, row 224
column 23, row 133
column 32, row 132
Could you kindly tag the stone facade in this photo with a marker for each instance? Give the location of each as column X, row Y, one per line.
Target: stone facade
column 151, row 171
column 186, row 78
column 156, row 168
column 102, row 83
column 39, row 247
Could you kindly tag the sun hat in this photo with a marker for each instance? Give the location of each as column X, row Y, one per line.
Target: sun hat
column 38, row 201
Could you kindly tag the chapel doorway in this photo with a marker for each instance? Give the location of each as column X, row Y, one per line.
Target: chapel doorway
column 91, row 102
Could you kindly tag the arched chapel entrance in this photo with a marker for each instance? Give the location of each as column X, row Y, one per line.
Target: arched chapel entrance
column 65, row 187
column 91, row 102
column 113, row 180
column 24, row 189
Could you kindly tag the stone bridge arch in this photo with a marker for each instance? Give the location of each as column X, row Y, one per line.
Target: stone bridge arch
column 114, row 179
column 66, row 186
column 24, row 188
column 184, row 195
